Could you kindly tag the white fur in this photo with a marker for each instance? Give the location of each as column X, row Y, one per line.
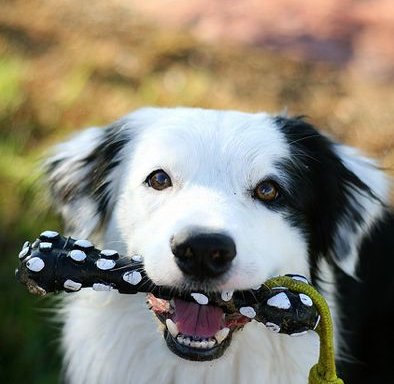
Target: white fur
column 214, row 159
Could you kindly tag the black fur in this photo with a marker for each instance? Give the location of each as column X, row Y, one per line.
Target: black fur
column 322, row 193
column 102, row 161
column 367, row 310
column 98, row 163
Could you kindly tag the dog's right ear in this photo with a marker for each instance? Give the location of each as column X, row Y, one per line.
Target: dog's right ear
column 84, row 173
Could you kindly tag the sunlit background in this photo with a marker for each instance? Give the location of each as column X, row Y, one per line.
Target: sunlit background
column 68, row 64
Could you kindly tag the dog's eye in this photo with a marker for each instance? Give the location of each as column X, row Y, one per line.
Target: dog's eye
column 266, row 191
column 158, row 180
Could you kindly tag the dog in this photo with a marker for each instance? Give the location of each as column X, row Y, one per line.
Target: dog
column 221, row 201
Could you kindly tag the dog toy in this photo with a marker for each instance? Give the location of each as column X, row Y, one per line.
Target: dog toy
column 285, row 304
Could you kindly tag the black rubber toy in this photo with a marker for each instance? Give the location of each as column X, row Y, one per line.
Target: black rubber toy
column 54, row 263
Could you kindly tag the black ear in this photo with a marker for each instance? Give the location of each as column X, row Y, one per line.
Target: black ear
column 338, row 193
column 84, row 173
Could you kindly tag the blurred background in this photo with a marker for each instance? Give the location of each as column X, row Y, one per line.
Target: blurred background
column 68, row 64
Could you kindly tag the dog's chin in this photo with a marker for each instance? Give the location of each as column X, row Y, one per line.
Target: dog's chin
column 194, row 331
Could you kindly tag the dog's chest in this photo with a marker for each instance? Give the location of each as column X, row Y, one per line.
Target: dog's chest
column 110, row 338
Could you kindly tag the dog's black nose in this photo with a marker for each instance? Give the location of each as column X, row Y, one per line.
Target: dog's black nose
column 202, row 254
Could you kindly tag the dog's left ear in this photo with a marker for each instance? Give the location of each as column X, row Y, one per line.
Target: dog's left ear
column 344, row 194
column 368, row 193
column 84, row 174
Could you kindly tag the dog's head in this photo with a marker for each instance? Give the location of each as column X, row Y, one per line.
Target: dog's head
column 216, row 201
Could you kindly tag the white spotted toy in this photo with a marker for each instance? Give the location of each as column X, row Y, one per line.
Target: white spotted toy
column 55, row 263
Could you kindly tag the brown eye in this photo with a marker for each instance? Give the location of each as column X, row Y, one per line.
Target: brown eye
column 159, row 180
column 266, row 191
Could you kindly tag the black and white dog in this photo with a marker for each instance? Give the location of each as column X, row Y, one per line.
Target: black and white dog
column 182, row 187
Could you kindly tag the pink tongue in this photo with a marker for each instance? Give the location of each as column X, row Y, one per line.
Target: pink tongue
column 193, row 319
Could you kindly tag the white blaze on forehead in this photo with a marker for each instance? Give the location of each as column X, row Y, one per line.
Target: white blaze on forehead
column 206, row 145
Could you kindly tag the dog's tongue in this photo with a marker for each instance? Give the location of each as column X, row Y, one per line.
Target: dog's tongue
column 197, row 320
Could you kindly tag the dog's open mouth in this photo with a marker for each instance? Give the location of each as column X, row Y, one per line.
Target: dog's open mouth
column 195, row 331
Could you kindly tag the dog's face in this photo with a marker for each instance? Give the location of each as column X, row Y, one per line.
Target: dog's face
column 203, row 203
column 216, row 201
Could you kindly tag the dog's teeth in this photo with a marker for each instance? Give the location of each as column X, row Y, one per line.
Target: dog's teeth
column 248, row 312
column 204, row 344
column 222, row 334
column 200, row 298
column 227, row 295
column 172, row 328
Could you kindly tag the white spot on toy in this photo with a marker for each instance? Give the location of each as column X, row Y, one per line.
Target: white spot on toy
column 77, row 255
column 281, row 288
column 227, row 295
column 306, row 300
column 300, row 278
column 132, row 277
column 248, row 312
column 136, row 258
column 109, row 253
column 45, row 246
column 35, row 264
column 23, row 253
column 317, row 322
column 83, row 244
column 200, row 298
column 280, row 301
column 49, row 234
column 273, row 327
column 72, row 285
column 105, row 264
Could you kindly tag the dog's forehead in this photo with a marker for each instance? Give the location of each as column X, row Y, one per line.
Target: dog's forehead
column 207, row 137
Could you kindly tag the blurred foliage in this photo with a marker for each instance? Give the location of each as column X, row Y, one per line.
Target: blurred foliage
column 65, row 65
